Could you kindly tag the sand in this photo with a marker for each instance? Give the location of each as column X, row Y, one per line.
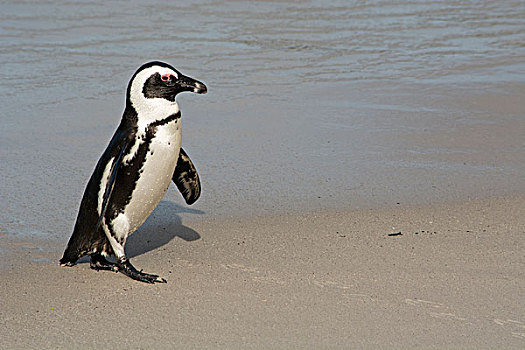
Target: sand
column 447, row 276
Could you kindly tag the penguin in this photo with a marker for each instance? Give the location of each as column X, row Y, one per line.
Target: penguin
column 135, row 170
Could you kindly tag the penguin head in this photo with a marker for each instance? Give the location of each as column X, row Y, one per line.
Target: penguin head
column 156, row 84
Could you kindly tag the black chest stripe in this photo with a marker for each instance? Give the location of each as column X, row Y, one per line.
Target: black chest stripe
column 165, row 120
column 128, row 173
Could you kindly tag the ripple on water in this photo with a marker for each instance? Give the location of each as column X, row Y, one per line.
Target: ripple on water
column 305, row 97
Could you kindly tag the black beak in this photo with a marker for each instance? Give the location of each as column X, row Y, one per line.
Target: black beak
column 190, row 84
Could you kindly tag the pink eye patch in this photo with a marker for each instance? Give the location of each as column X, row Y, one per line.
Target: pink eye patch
column 166, row 77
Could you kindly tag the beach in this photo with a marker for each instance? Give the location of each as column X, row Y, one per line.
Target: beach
column 362, row 169
column 426, row 277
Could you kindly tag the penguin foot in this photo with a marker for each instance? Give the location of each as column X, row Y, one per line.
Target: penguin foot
column 98, row 262
column 129, row 270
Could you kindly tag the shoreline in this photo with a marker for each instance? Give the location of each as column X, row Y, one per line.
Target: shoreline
column 171, row 216
column 324, row 279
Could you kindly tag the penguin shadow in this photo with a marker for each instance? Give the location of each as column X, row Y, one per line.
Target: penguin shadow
column 163, row 225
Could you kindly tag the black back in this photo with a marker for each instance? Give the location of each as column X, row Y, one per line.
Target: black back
column 87, row 233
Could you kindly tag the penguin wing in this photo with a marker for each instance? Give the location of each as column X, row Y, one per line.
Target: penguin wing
column 186, row 178
column 120, row 143
column 86, row 233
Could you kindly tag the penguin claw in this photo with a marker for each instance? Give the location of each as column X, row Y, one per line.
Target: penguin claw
column 145, row 277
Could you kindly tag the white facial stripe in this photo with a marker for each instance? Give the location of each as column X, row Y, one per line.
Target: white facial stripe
column 151, row 109
column 140, row 78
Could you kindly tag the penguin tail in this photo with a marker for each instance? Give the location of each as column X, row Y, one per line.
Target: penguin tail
column 73, row 252
column 79, row 246
column 69, row 258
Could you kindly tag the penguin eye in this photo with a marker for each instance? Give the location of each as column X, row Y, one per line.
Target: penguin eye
column 166, row 77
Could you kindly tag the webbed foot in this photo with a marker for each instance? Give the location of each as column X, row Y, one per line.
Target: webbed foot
column 98, row 262
column 129, row 270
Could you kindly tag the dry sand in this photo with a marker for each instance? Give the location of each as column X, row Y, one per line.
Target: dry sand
column 453, row 279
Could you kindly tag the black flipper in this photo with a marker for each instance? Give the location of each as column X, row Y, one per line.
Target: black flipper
column 88, row 236
column 111, row 183
column 186, row 178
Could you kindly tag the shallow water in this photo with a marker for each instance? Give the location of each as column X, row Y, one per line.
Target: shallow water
column 321, row 104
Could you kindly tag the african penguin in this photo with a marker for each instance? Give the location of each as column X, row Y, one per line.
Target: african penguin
column 135, row 170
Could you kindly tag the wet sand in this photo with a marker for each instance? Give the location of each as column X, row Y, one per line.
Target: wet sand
column 427, row 277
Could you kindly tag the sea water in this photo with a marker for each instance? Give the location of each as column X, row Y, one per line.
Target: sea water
column 311, row 105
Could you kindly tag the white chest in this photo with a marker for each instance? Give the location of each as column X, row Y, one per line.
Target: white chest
column 155, row 176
